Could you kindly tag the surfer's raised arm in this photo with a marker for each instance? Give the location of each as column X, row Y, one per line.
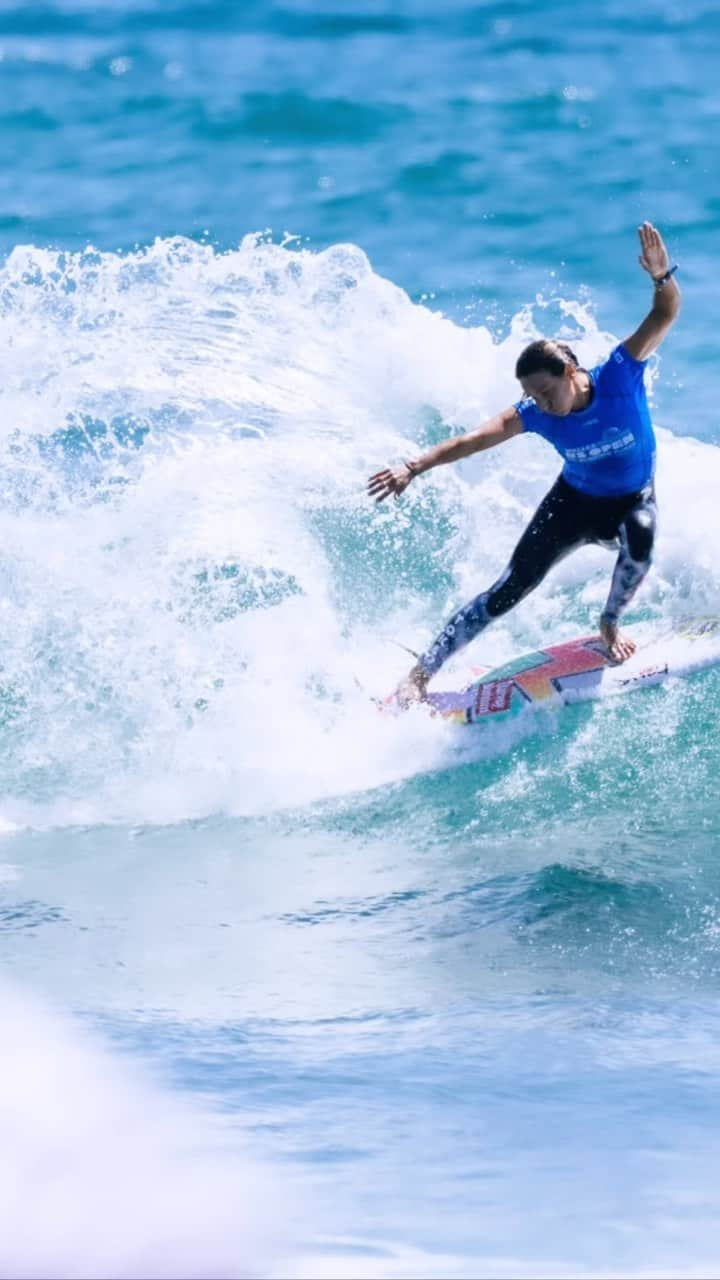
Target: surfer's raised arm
column 655, row 259
column 394, row 480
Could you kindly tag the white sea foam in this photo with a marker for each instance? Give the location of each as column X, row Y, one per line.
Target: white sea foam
column 103, row 1174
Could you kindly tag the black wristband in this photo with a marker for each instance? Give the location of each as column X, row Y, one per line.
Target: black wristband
column 659, row 281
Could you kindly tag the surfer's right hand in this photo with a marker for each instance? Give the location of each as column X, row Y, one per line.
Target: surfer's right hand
column 393, row 480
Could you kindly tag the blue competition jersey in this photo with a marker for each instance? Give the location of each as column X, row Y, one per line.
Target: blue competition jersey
column 609, row 448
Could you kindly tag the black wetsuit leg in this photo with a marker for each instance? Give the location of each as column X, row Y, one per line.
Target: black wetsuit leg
column 565, row 519
column 559, row 525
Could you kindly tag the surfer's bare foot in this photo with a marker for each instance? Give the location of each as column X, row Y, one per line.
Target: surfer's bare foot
column 414, row 688
column 619, row 647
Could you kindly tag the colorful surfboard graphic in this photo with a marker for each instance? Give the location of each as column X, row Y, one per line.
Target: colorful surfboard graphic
column 578, row 670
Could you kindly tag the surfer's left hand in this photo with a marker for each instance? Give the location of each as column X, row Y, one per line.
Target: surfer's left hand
column 619, row 648
column 654, row 258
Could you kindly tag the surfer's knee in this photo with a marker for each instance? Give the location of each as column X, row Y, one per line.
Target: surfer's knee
column 640, row 534
column 511, row 587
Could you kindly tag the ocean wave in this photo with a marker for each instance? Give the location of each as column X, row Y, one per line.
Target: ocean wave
column 193, row 582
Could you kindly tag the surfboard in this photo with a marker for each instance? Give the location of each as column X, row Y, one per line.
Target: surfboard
column 580, row 670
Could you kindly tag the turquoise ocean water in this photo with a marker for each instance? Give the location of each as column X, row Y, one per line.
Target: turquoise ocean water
column 289, row 990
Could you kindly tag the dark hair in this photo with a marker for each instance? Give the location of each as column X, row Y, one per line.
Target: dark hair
column 545, row 356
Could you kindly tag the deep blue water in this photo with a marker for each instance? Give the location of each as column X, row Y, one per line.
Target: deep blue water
column 290, row 989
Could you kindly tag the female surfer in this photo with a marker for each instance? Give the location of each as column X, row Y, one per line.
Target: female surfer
column 598, row 421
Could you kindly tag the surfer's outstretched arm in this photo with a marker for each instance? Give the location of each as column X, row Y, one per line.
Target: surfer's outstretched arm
column 655, row 259
column 394, row 480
